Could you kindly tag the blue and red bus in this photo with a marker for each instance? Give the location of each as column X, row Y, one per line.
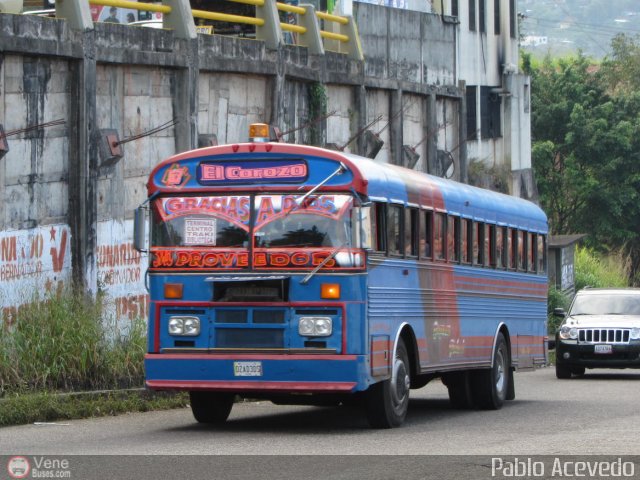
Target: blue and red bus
column 304, row 275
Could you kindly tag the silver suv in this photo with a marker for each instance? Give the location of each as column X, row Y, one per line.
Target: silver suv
column 601, row 330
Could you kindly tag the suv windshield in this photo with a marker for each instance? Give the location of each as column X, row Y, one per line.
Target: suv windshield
column 605, row 304
column 225, row 221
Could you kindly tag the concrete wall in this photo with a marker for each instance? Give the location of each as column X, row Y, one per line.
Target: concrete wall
column 67, row 214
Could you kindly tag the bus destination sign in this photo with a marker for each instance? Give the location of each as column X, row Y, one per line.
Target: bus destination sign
column 252, row 172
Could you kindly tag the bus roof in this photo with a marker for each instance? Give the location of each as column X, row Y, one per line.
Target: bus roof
column 379, row 181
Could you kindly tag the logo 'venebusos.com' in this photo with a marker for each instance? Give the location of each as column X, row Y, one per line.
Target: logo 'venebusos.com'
column 18, row 467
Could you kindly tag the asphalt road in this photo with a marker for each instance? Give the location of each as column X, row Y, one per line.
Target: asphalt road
column 598, row 414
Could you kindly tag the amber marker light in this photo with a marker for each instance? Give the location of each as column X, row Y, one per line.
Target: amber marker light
column 259, row 132
column 173, row 290
column 330, row 291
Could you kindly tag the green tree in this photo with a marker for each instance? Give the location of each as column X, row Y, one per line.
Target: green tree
column 586, row 149
column 621, row 69
column 560, row 90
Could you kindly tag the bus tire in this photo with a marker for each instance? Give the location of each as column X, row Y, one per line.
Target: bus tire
column 563, row 371
column 490, row 386
column 387, row 402
column 460, row 391
column 211, row 407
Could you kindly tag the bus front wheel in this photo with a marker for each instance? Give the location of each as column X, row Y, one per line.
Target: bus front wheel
column 211, row 407
column 387, row 402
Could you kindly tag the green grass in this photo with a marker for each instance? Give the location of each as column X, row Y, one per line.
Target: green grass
column 68, row 342
column 600, row 271
column 21, row 409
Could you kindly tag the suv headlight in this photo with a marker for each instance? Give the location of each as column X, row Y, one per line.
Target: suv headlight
column 567, row 332
column 315, row 326
column 634, row 334
column 184, row 326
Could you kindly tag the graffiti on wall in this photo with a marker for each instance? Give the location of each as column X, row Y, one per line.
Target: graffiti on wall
column 33, row 263
column 121, row 270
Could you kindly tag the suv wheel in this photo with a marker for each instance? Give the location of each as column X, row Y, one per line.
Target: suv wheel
column 563, row 371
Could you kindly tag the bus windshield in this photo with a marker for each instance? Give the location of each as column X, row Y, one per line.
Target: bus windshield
column 323, row 221
column 278, row 221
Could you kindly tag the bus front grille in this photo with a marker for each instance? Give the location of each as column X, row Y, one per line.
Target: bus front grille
column 249, row 338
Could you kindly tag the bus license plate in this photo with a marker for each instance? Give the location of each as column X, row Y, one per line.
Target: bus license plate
column 247, row 369
column 602, row 349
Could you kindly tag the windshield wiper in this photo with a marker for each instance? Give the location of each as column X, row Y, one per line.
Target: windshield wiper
column 311, row 274
column 341, row 169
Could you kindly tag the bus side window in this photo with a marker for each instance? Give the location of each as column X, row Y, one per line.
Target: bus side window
column 501, row 247
column 453, row 239
column 513, row 248
column 521, row 251
column 380, row 229
column 493, row 254
column 489, row 244
column 531, row 249
column 426, row 235
column 411, row 232
column 394, row 229
column 439, row 237
column 477, row 235
column 542, row 250
column 466, row 241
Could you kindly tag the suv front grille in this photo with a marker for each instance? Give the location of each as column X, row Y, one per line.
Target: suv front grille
column 603, row 335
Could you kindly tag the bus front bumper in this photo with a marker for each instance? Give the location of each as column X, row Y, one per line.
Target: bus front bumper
column 257, row 373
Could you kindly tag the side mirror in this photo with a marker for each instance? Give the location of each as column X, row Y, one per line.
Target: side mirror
column 140, row 229
column 559, row 312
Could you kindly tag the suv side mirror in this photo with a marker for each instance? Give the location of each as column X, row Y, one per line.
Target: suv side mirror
column 140, row 229
column 559, row 312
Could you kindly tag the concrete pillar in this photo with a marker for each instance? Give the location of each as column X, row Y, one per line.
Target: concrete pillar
column 311, row 39
column 270, row 32
column 76, row 13
column 276, row 109
column 180, row 20
column 184, row 91
column 395, row 126
column 83, row 167
column 432, row 139
column 360, row 100
column 462, row 132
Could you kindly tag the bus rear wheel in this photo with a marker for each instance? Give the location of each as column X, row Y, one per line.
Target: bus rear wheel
column 387, row 402
column 490, row 386
column 460, row 390
column 211, row 407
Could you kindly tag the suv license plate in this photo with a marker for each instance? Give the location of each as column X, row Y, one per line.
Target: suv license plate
column 602, row 349
column 247, row 369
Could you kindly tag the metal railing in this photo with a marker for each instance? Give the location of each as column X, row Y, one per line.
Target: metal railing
column 340, row 33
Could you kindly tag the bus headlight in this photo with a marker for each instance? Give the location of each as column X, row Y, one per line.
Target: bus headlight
column 567, row 332
column 315, row 326
column 184, row 326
